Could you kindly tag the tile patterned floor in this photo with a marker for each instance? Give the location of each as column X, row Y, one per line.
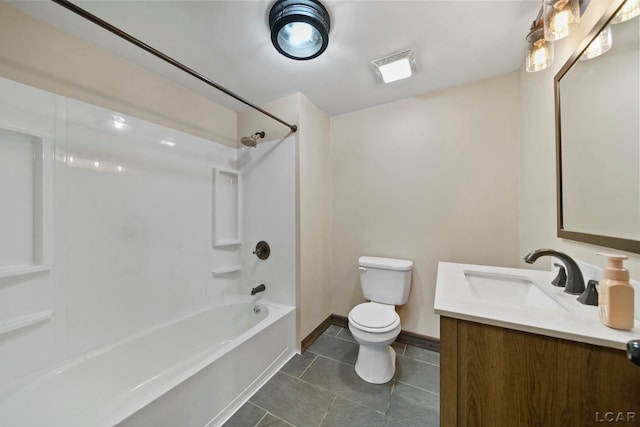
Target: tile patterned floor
column 321, row 388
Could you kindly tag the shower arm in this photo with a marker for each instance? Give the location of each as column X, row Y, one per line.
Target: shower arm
column 128, row 37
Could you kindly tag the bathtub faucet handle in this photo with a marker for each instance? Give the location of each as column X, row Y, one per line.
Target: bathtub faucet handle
column 262, row 250
column 259, row 288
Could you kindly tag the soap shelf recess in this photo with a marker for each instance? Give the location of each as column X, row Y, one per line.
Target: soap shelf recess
column 16, row 323
column 227, row 270
column 226, row 207
column 25, row 158
column 227, row 242
column 15, row 271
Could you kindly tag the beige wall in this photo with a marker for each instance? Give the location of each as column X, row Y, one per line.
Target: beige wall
column 313, row 183
column 315, row 217
column 537, row 139
column 40, row 55
column 432, row 178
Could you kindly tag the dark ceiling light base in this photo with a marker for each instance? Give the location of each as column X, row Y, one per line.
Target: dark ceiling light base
column 299, row 28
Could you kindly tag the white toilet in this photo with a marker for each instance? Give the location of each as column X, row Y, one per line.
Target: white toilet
column 375, row 325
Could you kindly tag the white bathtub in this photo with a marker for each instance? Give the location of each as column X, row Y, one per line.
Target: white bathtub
column 194, row 371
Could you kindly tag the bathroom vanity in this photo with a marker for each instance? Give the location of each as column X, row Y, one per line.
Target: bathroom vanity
column 517, row 351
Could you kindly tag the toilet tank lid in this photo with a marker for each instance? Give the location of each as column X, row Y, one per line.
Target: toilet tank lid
column 385, row 263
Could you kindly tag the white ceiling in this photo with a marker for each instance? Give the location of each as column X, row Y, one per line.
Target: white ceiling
column 455, row 42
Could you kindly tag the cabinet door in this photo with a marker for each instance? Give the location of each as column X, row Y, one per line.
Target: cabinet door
column 506, row 377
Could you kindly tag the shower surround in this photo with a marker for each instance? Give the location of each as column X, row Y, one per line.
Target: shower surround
column 110, row 228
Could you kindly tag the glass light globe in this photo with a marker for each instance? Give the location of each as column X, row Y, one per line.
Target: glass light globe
column 300, row 39
column 560, row 17
column 539, row 51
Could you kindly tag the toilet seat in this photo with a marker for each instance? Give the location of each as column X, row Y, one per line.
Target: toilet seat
column 374, row 317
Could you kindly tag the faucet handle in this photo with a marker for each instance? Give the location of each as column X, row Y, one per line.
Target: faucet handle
column 561, row 278
column 590, row 294
column 262, row 250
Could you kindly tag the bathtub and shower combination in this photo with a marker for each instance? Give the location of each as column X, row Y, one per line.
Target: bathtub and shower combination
column 111, row 349
column 91, row 337
column 194, row 371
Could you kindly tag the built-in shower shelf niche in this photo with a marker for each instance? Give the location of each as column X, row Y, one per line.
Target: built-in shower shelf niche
column 230, row 269
column 15, row 324
column 230, row 242
column 226, row 207
column 24, row 191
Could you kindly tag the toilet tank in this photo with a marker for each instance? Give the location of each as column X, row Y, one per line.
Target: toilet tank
column 385, row 280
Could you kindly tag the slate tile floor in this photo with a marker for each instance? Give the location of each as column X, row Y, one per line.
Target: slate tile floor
column 321, row 388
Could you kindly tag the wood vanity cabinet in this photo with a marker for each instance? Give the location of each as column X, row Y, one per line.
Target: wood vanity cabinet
column 492, row 376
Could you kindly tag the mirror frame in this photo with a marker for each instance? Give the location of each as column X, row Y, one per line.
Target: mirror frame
column 628, row 245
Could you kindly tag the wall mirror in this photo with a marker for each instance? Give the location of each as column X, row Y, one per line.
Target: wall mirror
column 597, row 109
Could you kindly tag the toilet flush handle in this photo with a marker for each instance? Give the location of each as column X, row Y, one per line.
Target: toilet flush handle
column 362, row 269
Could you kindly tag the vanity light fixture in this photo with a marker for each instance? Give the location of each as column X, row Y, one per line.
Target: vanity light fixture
column 630, row 9
column 539, row 50
column 560, row 18
column 395, row 67
column 599, row 45
column 299, row 28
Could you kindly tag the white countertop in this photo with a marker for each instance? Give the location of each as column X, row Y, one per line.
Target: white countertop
column 577, row 322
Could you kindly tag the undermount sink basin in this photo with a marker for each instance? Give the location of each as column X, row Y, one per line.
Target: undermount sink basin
column 509, row 289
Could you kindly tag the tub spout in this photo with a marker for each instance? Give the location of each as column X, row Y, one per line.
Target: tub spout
column 259, row 288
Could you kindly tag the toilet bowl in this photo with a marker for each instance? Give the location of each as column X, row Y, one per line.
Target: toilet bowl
column 375, row 324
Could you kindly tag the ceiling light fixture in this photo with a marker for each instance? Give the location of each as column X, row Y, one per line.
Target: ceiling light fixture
column 395, row 67
column 299, row 28
column 560, row 18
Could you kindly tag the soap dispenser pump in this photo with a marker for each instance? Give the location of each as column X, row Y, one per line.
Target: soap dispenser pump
column 615, row 299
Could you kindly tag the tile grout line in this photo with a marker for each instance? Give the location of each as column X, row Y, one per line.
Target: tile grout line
column 308, row 366
column 393, row 387
column 328, row 409
column 316, row 386
column 263, row 416
column 343, row 339
column 336, row 360
column 331, row 358
column 313, row 385
column 419, row 388
column 269, row 413
column 345, row 329
column 421, row 361
column 281, row 419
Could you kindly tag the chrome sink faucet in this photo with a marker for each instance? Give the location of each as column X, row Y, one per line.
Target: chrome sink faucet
column 575, row 281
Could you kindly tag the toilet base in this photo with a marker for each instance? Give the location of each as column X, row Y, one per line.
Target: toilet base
column 376, row 364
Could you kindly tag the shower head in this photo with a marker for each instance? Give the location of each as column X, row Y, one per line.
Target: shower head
column 252, row 141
